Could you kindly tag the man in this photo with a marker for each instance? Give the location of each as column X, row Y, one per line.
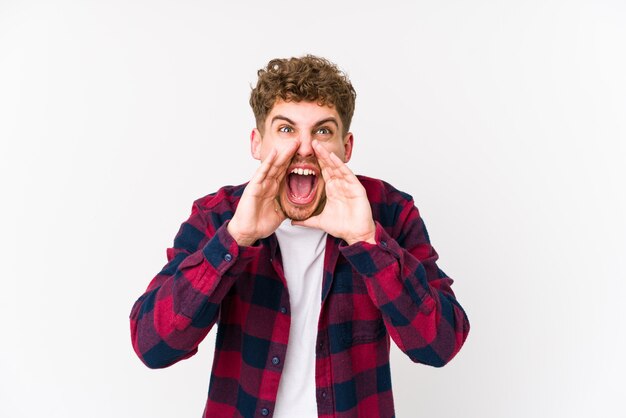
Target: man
column 308, row 269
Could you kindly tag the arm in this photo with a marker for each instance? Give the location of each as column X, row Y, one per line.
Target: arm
column 415, row 297
column 181, row 304
column 417, row 304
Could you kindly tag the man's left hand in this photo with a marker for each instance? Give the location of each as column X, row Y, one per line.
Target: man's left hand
column 347, row 213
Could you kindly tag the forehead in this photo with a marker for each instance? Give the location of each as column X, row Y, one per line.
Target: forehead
column 302, row 113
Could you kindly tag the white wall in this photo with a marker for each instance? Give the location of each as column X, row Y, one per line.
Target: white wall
column 505, row 121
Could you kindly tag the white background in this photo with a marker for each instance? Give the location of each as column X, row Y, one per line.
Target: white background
column 505, row 121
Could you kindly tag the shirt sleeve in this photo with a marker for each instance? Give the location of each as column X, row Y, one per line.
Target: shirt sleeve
column 418, row 306
column 182, row 302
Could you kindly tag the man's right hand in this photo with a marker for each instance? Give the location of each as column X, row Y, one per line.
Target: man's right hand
column 259, row 214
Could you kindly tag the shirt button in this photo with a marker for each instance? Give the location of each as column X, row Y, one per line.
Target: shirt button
column 265, row 412
column 275, row 361
column 383, row 243
column 323, row 395
column 283, row 310
column 228, row 257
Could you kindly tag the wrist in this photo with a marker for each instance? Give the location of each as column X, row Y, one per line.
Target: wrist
column 369, row 237
column 369, row 240
column 241, row 239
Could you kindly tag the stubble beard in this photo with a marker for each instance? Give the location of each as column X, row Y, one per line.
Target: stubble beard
column 296, row 212
column 300, row 213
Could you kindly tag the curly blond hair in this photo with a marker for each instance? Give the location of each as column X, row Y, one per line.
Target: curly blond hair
column 308, row 78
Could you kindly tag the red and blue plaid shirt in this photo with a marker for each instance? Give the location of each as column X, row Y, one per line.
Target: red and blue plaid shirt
column 369, row 294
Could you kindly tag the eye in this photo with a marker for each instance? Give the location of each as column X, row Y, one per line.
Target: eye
column 324, row 131
column 285, row 129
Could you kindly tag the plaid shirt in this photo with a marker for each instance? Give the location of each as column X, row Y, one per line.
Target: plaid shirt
column 369, row 294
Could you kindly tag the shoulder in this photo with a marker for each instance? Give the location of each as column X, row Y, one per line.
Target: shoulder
column 392, row 208
column 219, row 206
column 226, row 195
column 208, row 213
column 379, row 191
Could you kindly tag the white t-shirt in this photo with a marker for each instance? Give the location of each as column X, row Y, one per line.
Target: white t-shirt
column 302, row 250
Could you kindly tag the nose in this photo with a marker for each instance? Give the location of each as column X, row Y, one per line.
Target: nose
column 306, row 148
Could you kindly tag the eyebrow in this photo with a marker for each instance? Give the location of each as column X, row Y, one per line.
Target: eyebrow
column 281, row 117
column 318, row 123
column 331, row 119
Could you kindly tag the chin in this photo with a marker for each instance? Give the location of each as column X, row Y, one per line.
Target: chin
column 296, row 213
column 301, row 213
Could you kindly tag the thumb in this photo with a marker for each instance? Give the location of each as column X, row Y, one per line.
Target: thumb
column 312, row 222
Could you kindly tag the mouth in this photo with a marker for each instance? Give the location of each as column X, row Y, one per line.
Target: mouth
column 301, row 185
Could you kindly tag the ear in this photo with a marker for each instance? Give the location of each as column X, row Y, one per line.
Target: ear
column 255, row 144
column 348, row 142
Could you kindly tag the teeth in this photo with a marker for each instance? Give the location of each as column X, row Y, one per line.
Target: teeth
column 303, row 172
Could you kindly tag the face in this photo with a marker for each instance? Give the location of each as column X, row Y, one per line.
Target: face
column 302, row 190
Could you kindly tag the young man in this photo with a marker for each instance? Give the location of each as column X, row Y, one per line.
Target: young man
column 308, row 269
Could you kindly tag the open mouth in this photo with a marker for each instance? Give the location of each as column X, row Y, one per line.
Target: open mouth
column 301, row 185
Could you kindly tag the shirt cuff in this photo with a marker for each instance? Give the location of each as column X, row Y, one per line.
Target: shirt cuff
column 368, row 259
column 225, row 255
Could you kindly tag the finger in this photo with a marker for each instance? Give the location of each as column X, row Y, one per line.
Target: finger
column 326, row 163
column 278, row 210
column 312, row 222
column 335, row 168
column 341, row 167
column 323, row 156
column 288, row 152
column 284, row 157
column 262, row 172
